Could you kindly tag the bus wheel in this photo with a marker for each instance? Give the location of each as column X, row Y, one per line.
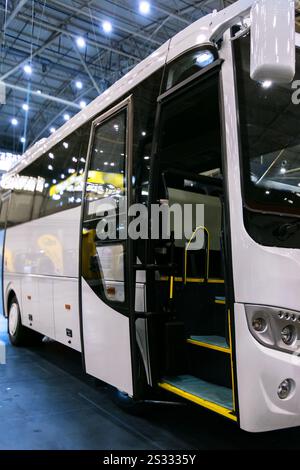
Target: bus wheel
column 18, row 334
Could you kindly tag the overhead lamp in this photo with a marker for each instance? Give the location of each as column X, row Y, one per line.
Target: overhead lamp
column 52, row 130
column 107, row 26
column 25, row 107
column 27, row 69
column 66, row 117
column 23, row 140
column 82, row 104
column 144, row 8
column 14, row 121
column 80, row 41
column 79, row 85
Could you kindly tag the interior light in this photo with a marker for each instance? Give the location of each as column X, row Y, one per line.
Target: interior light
column 66, row 117
column 82, row 104
column 51, row 156
column 267, row 192
column 282, row 171
column 105, row 163
column 27, row 69
column 52, row 130
column 80, row 41
column 50, row 167
column 146, row 158
column 25, row 107
column 74, row 159
column 101, row 151
column 112, row 164
column 267, row 84
column 144, row 134
column 205, row 58
column 65, row 145
column 107, row 27
column 79, row 85
column 144, row 8
column 14, row 122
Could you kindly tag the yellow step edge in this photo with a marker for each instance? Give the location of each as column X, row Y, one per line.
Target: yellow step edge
column 179, row 279
column 216, row 281
column 209, row 346
column 220, row 302
column 199, row 401
column 194, row 279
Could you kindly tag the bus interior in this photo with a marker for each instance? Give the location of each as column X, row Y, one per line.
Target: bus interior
column 193, row 330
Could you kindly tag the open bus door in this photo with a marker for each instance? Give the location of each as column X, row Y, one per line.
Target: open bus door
column 105, row 262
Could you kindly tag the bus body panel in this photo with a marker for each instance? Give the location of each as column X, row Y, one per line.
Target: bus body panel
column 41, row 267
column 265, row 276
column 260, row 370
column 106, row 337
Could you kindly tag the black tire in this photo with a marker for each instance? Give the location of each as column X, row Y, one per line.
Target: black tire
column 18, row 334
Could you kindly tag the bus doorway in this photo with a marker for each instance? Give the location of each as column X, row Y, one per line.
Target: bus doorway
column 191, row 285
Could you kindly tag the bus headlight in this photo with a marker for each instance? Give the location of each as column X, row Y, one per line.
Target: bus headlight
column 288, row 334
column 259, row 324
column 274, row 328
column 285, row 388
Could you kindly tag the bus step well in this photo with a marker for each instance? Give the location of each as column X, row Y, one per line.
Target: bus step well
column 213, row 397
column 218, row 343
column 220, row 300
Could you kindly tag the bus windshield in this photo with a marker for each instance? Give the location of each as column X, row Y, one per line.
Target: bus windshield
column 269, row 117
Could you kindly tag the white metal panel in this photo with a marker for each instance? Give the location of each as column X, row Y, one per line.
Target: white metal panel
column 192, row 36
column 106, row 342
column 260, row 370
column 29, row 301
column 66, row 312
column 47, row 246
column 43, row 320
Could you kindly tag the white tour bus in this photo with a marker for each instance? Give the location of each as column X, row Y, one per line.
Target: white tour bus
column 212, row 118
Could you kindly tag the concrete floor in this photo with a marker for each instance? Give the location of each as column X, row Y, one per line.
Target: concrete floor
column 46, row 402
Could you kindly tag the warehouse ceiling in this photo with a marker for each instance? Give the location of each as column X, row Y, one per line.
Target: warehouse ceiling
column 72, row 50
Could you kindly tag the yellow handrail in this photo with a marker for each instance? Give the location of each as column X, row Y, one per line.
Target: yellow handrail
column 200, row 227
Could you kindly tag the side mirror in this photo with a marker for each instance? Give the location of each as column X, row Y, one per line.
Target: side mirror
column 273, row 45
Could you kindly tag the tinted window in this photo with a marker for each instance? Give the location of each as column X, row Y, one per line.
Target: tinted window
column 59, row 175
column 270, row 154
column 189, row 64
column 106, row 175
